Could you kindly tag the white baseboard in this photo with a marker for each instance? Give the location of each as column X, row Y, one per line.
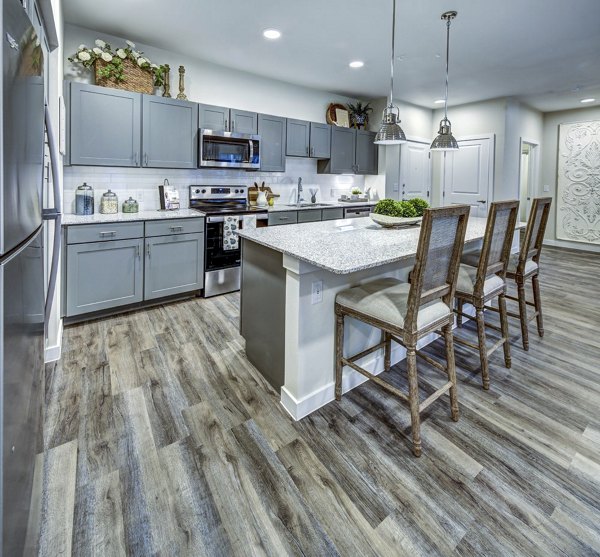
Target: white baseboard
column 53, row 352
column 373, row 363
column 572, row 245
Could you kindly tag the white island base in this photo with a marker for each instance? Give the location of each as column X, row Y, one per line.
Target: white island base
column 290, row 277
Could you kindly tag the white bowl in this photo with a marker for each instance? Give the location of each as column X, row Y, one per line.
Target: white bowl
column 391, row 222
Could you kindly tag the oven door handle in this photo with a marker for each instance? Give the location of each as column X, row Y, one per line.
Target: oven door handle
column 221, row 219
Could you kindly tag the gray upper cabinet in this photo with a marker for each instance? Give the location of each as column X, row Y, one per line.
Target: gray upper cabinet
column 243, row 121
column 213, row 117
column 103, row 275
column 169, row 133
column 320, row 140
column 298, row 138
column 308, row 139
column 221, row 118
column 174, row 264
column 105, row 126
column 366, row 152
column 343, row 152
column 272, row 130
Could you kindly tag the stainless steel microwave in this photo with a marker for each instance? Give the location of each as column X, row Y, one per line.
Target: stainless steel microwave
column 221, row 149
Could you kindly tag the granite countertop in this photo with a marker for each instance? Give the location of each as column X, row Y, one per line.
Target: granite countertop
column 278, row 208
column 347, row 246
column 98, row 218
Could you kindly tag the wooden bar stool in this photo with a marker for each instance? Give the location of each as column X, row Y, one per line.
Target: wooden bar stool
column 406, row 312
column 526, row 264
column 485, row 280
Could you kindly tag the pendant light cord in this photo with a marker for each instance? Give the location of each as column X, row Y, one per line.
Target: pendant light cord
column 447, row 62
column 392, row 64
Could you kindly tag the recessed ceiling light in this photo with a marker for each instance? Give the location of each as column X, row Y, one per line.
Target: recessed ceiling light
column 271, row 34
column 590, row 100
column 356, row 64
column 439, row 101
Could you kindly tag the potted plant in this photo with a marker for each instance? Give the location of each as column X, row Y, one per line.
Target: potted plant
column 390, row 213
column 355, row 193
column 122, row 68
column 359, row 114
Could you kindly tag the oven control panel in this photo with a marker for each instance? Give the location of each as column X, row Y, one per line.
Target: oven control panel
column 218, row 192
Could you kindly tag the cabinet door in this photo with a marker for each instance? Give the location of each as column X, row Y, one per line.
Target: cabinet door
column 283, row 217
column 103, row 275
column 169, row 133
column 272, row 143
column 333, row 214
column 105, row 126
column 343, row 150
column 366, row 152
column 320, row 141
column 298, row 138
column 243, row 121
column 213, row 117
column 309, row 215
column 174, row 264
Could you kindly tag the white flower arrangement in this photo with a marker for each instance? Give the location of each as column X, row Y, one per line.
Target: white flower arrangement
column 113, row 61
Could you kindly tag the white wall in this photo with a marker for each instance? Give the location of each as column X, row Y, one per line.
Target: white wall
column 212, row 84
column 550, row 162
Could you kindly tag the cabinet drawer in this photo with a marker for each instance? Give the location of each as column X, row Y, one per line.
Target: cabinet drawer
column 284, row 217
column 309, row 215
column 333, row 213
column 174, row 226
column 81, row 233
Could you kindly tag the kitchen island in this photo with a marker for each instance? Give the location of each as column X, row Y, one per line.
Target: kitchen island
column 290, row 277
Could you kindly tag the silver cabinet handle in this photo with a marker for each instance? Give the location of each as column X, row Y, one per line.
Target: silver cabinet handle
column 148, row 249
column 137, row 250
column 307, row 151
column 312, row 151
column 232, row 124
column 226, row 124
column 109, row 233
column 145, row 159
column 284, row 218
column 135, row 158
column 175, row 228
column 482, row 201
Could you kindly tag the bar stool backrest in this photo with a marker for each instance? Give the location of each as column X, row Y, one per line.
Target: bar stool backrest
column 499, row 233
column 534, row 233
column 438, row 256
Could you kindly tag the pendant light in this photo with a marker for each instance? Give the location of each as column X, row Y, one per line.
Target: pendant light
column 390, row 132
column 445, row 140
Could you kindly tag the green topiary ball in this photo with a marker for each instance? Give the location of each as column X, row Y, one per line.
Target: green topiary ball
column 420, row 205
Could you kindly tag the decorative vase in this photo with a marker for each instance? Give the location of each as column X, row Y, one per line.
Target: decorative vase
column 167, row 85
column 360, row 120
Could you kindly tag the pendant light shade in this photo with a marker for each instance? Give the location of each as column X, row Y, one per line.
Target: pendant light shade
column 390, row 132
column 445, row 141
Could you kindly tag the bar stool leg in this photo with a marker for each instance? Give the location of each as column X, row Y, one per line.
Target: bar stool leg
column 387, row 358
column 413, row 398
column 451, row 367
column 523, row 312
column 339, row 347
column 538, row 303
column 459, row 306
column 504, row 329
column 485, row 374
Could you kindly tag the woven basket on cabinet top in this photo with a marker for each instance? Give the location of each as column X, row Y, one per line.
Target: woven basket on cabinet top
column 136, row 79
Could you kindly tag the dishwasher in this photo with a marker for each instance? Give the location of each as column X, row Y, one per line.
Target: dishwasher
column 354, row 212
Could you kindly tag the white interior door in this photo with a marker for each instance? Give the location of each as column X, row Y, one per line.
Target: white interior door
column 415, row 170
column 469, row 174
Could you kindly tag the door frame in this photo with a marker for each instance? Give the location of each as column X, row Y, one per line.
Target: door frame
column 533, row 174
column 491, row 166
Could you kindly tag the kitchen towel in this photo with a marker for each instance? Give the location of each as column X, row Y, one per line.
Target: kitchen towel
column 230, row 232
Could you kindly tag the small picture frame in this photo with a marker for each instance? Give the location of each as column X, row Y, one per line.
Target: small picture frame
column 342, row 118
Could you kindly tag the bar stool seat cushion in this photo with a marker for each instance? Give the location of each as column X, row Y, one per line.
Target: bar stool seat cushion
column 467, row 275
column 513, row 262
column 386, row 299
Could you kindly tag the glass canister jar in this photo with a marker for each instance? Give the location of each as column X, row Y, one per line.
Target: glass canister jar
column 109, row 203
column 130, row 206
column 84, row 200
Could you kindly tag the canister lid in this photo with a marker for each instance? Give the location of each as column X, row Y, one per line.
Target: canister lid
column 109, row 194
column 130, row 201
column 84, row 186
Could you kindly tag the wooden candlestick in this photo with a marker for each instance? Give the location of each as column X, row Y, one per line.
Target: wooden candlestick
column 181, row 94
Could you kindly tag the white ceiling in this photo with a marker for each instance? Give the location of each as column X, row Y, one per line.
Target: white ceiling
column 544, row 52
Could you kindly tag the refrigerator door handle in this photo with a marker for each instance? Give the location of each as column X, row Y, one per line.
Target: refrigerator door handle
column 50, row 213
column 53, row 267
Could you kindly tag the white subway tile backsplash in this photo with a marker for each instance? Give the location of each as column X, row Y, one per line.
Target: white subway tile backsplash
column 142, row 183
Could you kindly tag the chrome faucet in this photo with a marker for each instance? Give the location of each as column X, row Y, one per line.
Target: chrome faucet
column 299, row 199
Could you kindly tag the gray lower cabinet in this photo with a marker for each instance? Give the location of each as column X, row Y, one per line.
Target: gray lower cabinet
column 343, row 152
column 173, row 265
column 309, row 215
column 298, row 138
column 320, row 140
column 105, row 126
column 103, row 275
column 272, row 131
column 169, row 133
column 366, row 152
column 283, row 217
column 333, row 214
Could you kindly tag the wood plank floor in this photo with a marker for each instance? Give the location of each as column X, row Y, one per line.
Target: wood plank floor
column 161, row 439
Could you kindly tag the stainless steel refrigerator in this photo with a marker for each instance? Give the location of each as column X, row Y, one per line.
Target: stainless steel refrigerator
column 23, row 292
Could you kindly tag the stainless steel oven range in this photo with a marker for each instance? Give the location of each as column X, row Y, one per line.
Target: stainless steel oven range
column 225, row 208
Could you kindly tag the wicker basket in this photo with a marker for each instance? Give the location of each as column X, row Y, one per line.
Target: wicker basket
column 135, row 78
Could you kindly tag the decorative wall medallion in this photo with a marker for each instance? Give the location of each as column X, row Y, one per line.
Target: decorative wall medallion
column 578, row 182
